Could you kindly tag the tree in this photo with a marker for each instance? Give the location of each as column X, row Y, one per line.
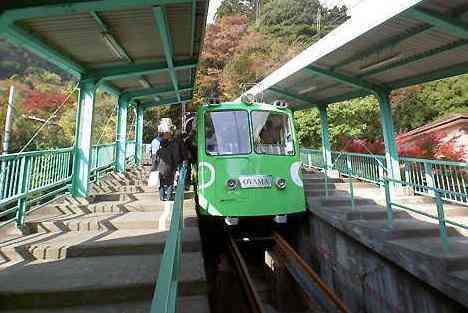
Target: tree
column 245, row 8
column 296, row 20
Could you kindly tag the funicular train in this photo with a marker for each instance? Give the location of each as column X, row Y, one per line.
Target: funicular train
column 248, row 161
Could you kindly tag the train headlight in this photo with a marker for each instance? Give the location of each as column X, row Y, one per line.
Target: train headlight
column 231, row 183
column 280, row 183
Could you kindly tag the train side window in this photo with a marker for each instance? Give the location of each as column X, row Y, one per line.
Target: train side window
column 272, row 133
column 227, row 133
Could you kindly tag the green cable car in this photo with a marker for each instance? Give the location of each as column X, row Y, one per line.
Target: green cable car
column 248, row 161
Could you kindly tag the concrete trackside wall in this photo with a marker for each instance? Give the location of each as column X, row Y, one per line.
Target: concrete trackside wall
column 363, row 279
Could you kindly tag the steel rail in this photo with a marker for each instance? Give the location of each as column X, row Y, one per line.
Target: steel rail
column 252, row 294
column 289, row 251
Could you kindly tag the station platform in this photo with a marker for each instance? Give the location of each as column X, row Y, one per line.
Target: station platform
column 413, row 243
column 99, row 254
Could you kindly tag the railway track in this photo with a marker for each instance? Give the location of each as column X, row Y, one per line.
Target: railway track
column 280, row 281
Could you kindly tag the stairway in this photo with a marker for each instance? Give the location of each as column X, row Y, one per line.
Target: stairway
column 100, row 254
column 413, row 242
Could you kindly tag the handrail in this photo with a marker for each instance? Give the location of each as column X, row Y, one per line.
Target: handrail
column 165, row 294
column 430, row 187
column 29, row 177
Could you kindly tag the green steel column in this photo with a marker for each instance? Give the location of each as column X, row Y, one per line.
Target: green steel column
column 139, row 136
column 391, row 152
column 83, row 137
column 121, row 140
column 326, row 148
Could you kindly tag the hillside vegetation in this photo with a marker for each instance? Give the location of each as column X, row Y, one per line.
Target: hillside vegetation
column 243, row 46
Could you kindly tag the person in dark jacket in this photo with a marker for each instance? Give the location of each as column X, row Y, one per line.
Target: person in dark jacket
column 180, row 151
column 191, row 148
column 166, row 166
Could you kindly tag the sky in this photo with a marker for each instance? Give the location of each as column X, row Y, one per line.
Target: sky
column 214, row 4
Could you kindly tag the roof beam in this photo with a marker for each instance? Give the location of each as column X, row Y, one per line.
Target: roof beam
column 282, row 93
column 123, row 71
column 451, row 25
column 345, row 79
column 388, row 43
column 341, row 98
column 393, row 41
column 450, row 71
column 42, row 9
column 160, row 17
column 194, row 24
column 109, row 89
column 152, row 92
column 23, row 38
column 117, row 49
column 171, row 101
column 418, row 57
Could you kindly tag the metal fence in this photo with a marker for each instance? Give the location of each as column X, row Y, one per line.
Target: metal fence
column 419, row 174
column 130, row 150
column 31, row 177
column 442, row 180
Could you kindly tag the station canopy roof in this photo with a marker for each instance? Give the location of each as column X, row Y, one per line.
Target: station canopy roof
column 389, row 45
column 146, row 50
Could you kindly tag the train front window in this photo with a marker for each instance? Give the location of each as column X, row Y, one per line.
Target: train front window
column 227, row 132
column 272, row 133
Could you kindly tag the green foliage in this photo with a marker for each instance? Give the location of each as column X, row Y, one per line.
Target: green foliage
column 416, row 106
column 296, row 20
column 236, row 7
column 351, row 119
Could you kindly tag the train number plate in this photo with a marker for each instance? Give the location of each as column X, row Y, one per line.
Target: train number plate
column 256, row 181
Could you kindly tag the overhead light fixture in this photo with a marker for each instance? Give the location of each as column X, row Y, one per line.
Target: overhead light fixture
column 379, row 63
column 306, row 90
column 116, row 49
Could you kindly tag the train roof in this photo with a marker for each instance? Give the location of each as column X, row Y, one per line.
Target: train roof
column 243, row 106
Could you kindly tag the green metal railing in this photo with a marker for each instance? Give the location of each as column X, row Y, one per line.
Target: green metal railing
column 130, row 151
column 437, row 179
column 165, row 294
column 32, row 177
column 420, row 174
column 449, row 177
column 103, row 156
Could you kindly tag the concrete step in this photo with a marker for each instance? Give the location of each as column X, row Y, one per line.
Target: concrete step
column 402, row 229
column 102, row 221
column 54, row 246
column 59, row 245
column 338, row 201
column 192, row 304
column 338, row 186
column 374, row 212
column 147, row 202
column 344, row 193
column 313, row 179
column 456, row 259
column 93, row 280
column 124, row 189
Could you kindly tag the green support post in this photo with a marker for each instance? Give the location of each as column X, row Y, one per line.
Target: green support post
column 83, row 136
column 121, row 140
column 326, row 148
column 25, row 179
column 139, row 136
column 391, row 152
